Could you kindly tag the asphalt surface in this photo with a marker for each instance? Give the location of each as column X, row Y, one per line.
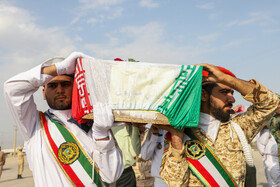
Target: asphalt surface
column 9, row 174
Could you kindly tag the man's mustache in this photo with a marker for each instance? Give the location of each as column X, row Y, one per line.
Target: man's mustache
column 228, row 105
column 59, row 96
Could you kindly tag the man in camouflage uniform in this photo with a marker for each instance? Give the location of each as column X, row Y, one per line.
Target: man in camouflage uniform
column 144, row 178
column 274, row 126
column 2, row 160
column 217, row 129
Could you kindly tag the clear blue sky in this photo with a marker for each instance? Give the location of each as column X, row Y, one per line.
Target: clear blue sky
column 243, row 36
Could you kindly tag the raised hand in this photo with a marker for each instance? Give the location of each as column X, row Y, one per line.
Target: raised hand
column 68, row 65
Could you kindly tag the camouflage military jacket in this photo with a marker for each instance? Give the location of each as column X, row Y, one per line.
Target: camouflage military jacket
column 273, row 125
column 228, row 148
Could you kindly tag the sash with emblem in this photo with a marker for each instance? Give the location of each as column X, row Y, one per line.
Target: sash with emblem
column 203, row 161
column 73, row 160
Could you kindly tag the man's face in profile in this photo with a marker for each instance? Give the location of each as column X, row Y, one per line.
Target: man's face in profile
column 221, row 100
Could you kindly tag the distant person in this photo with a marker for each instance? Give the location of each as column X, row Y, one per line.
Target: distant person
column 274, row 126
column 2, row 160
column 152, row 148
column 144, row 178
column 59, row 152
column 240, row 108
column 267, row 147
column 20, row 156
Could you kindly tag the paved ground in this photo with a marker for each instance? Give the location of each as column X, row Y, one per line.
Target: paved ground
column 9, row 174
column 261, row 180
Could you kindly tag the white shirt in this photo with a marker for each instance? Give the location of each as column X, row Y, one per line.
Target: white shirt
column 209, row 124
column 150, row 150
column 19, row 92
column 266, row 143
column 267, row 147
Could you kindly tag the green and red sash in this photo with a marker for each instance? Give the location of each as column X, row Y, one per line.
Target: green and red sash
column 203, row 162
column 73, row 160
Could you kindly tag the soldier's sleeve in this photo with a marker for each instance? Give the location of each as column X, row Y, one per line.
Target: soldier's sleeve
column 265, row 103
column 274, row 126
column 174, row 168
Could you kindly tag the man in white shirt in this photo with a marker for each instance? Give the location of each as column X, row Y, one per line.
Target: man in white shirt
column 267, row 147
column 59, row 152
column 152, row 148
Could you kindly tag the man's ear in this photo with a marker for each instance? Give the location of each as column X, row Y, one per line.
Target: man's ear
column 44, row 93
column 204, row 95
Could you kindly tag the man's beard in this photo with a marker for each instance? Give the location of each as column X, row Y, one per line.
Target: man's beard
column 219, row 114
column 58, row 105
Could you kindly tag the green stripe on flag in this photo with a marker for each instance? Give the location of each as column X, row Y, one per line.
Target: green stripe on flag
column 182, row 105
column 85, row 163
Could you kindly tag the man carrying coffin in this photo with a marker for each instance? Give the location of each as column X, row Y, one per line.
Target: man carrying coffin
column 215, row 153
column 59, row 152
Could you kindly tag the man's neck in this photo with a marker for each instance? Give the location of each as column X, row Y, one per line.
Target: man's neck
column 209, row 124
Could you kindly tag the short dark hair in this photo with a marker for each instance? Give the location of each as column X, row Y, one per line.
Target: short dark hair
column 208, row 86
column 70, row 75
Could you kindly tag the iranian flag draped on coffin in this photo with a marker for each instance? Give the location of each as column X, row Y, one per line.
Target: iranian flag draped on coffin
column 138, row 91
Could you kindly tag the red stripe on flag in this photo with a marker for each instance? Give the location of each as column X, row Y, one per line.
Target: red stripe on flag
column 203, row 172
column 67, row 168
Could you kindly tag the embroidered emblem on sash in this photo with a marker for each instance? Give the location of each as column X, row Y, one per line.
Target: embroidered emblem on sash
column 194, row 149
column 68, row 152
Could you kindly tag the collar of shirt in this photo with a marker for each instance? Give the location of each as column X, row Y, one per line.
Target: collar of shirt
column 209, row 124
column 63, row 115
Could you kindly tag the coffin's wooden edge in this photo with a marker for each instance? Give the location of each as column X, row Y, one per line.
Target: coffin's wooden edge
column 124, row 116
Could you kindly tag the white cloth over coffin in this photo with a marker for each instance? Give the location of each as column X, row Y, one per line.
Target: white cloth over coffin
column 129, row 85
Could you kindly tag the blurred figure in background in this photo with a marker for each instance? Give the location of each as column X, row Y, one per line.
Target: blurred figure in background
column 20, row 156
column 144, row 179
column 267, row 147
column 2, row 160
column 274, row 127
column 152, row 148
